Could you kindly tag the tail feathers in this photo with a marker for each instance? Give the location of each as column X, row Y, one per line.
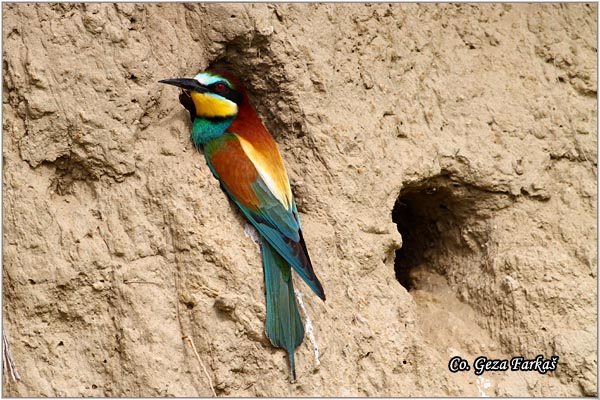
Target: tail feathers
column 284, row 326
column 294, row 253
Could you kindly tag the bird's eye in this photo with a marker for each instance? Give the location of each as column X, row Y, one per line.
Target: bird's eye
column 220, row 87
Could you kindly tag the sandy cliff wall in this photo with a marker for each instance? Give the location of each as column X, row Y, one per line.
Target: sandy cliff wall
column 444, row 162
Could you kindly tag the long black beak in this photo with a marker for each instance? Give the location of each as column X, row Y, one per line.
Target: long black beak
column 186, row 83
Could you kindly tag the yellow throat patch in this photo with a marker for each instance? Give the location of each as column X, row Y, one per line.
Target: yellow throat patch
column 209, row 105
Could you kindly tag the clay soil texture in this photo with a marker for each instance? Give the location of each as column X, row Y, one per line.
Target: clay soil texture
column 443, row 159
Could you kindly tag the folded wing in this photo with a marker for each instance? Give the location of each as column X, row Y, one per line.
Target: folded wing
column 258, row 184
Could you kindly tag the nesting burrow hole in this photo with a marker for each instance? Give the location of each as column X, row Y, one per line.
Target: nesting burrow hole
column 444, row 227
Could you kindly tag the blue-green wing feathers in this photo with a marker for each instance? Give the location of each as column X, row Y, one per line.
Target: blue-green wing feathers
column 281, row 228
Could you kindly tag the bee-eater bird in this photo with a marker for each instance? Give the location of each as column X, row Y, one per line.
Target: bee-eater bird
column 244, row 158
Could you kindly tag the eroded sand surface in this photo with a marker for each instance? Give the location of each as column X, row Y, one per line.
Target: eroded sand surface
column 118, row 241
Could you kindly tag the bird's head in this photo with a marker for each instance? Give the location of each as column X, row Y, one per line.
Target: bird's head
column 213, row 94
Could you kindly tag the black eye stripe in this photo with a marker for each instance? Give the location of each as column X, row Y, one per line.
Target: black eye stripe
column 228, row 92
column 213, row 87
